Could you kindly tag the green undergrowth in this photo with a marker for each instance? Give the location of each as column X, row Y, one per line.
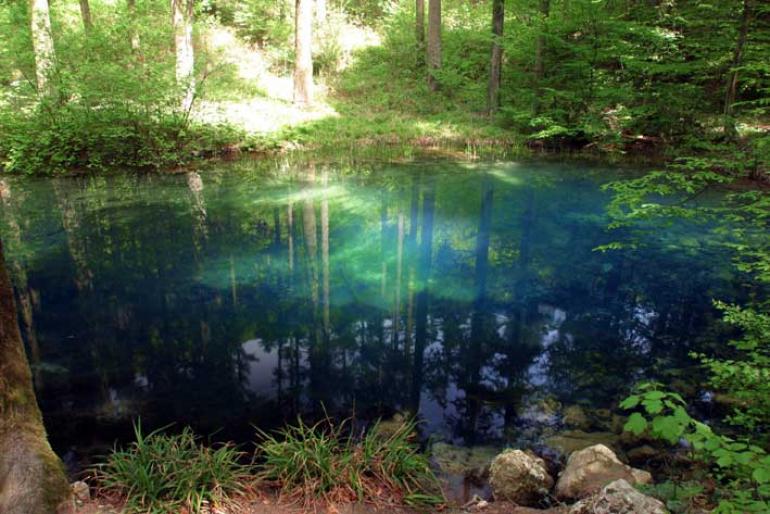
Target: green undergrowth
column 326, row 463
column 161, row 472
column 335, row 464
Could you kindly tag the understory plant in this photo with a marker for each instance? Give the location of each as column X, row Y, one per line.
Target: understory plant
column 712, row 190
column 333, row 463
column 162, row 472
column 741, row 467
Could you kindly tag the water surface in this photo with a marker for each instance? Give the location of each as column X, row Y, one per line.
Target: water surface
column 253, row 292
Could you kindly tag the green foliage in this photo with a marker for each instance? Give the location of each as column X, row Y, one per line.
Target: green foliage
column 260, row 22
column 746, row 377
column 165, row 473
column 332, row 463
column 679, row 497
column 739, row 464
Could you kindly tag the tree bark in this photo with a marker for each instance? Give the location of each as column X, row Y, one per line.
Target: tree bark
column 434, row 42
column 545, row 7
column 303, row 56
column 419, row 23
column 732, row 81
column 182, row 11
column 85, row 14
column 495, row 66
column 133, row 33
column 32, row 479
column 42, row 45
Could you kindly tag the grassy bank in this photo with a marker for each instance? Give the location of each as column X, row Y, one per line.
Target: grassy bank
column 312, row 466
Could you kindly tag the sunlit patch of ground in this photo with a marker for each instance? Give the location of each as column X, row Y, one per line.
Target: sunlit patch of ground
column 266, row 106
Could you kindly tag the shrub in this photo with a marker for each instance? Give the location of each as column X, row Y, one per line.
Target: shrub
column 330, row 463
column 165, row 473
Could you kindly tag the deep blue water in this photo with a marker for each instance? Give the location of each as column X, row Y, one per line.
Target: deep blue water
column 252, row 292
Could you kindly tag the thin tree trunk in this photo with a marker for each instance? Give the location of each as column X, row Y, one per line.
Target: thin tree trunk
column 434, row 42
column 183, row 43
column 419, row 23
column 32, row 479
column 42, row 45
column 303, row 56
column 545, row 8
column 85, row 14
column 495, row 66
column 732, row 82
column 133, row 33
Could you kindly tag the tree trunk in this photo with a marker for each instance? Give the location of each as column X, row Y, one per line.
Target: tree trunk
column 434, row 42
column 732, row 82
column 85, row 14
column 303, row 56
column 32, row 479
column 133, row 33
column 419, row 23
column 495, row 66
column 42, row 45
column 183, row 43
column 539, row 58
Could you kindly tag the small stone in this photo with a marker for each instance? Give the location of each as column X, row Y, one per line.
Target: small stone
column 81, row 491
column 619, row 497
column 589, row 470
column 519, row 477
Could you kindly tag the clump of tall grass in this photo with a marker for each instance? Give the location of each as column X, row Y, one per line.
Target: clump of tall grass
column 169, row 473
column 335, row 464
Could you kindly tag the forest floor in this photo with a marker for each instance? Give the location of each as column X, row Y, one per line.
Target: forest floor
column 247, row 90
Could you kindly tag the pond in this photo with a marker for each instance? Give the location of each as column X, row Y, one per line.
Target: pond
column 248, row 293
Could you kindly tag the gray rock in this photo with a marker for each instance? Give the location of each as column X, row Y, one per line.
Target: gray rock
column 519, row 477
column 592, row 468
column 619, row 497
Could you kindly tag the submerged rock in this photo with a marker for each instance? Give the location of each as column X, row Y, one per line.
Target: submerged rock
column 519, row 477
column 619, row 497
column 467, row 462
column 574, row 416
column 387, row 428
column 570, row 441
column 589, row 470
column 643, row 454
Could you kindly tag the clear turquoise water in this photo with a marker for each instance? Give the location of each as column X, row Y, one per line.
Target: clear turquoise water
column 256, row 291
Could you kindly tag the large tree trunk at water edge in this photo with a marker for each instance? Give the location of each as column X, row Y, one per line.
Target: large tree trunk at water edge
column 32, row 479
column 303, row 56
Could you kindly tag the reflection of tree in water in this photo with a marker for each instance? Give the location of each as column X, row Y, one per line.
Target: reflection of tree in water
column 252, row 298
